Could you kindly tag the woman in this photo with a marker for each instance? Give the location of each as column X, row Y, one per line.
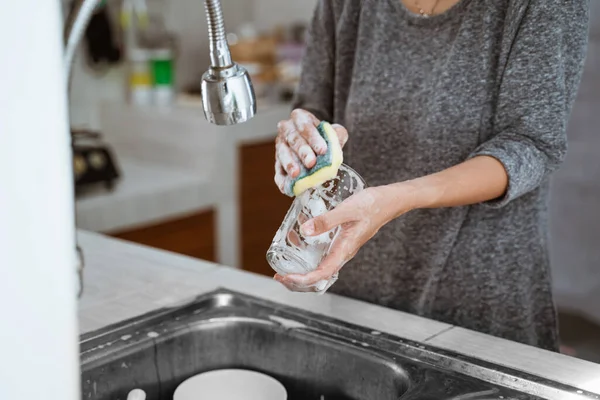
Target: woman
column 456, row 113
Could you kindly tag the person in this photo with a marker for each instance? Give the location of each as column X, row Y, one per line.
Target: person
column 455, row 114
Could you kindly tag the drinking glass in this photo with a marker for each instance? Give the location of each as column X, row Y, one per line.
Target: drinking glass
column 293, row 253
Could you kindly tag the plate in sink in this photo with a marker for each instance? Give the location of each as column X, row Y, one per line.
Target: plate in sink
column 230, row 384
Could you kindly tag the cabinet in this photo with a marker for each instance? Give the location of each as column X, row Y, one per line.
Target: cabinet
column 191, row 235
column 262, row 206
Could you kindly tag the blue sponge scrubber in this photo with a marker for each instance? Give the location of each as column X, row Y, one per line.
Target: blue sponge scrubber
column 326, row 167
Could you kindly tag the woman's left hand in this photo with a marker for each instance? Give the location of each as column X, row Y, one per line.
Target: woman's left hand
column 359, row 217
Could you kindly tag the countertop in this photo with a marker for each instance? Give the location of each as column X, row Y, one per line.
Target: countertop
column 124, row 280
column 146, row 192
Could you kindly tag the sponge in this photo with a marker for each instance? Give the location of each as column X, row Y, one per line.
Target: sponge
column 326, row 167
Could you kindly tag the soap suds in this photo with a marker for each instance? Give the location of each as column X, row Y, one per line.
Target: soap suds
column 304, row 121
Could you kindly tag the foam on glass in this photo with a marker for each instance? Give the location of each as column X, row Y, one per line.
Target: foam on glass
column 293, row 253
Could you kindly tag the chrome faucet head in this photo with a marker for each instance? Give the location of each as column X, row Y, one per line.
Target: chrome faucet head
column 227, row 95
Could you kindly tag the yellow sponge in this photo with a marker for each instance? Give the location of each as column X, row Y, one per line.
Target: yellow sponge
column 326, row 167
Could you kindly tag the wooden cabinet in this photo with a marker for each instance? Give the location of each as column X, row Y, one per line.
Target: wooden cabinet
column 262, row 206
column 191, row 235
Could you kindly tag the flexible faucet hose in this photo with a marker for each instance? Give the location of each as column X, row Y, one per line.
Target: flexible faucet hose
column 220, row 55
column 76, row 23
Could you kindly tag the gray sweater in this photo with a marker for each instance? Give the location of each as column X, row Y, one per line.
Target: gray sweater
column 418, row 95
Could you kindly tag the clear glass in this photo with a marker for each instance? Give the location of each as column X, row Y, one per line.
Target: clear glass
column 290, row 251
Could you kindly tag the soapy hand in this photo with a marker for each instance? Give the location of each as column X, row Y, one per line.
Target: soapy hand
column 359, row 218
column 298, row 142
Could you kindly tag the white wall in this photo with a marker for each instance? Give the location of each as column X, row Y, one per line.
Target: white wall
column 38, row 300
column 267, row 13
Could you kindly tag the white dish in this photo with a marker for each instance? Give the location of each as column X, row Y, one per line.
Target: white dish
column 230, row 384
column 136, row 394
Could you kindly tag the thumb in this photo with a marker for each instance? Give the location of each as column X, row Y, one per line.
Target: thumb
column 328, row 221
column 342, row 133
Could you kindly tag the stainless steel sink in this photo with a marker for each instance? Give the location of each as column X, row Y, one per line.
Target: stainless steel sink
column 313, row 356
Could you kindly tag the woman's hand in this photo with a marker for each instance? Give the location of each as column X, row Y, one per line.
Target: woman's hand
column 298, row 143
column 476, row 180
column 359, row 217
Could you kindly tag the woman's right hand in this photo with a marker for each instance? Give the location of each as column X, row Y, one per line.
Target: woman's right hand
column 298, row 143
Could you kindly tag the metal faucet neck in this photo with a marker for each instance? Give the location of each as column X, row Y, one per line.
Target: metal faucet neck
column 220, row 56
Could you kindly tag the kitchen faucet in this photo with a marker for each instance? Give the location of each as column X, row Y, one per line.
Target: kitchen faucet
column 227, row 94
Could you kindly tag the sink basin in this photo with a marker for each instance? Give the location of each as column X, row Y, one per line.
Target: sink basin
column 312, row 356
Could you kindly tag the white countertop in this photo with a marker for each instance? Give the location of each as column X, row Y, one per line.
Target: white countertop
column 146, row 193
column 124, row 280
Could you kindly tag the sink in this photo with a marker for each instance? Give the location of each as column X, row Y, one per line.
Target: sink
column 314, row 357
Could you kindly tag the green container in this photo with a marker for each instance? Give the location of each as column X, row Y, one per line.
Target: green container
column 162, row 67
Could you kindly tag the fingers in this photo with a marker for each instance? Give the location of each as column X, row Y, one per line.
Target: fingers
column 306, row 125
column 297, row 143
column 293, row 287
column 280, row 177
column 286, row 157
column 319, row 288
column 340, row 215
column 342, row 133
column 341, row 252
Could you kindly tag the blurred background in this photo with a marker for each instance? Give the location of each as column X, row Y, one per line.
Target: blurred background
column 150, row 169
